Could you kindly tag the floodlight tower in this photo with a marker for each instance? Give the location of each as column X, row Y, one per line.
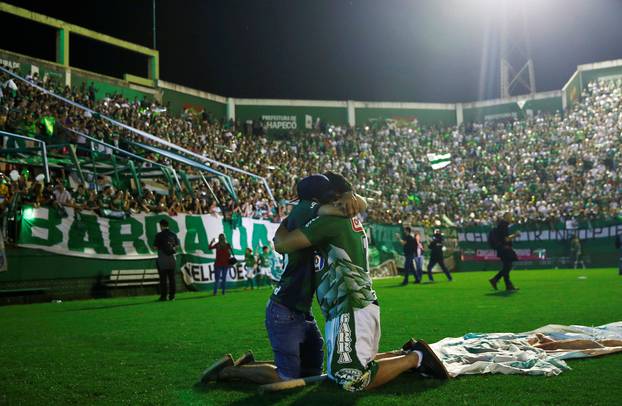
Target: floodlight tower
column 515, row 52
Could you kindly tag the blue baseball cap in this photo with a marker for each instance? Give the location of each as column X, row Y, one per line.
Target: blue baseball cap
column 315, row 187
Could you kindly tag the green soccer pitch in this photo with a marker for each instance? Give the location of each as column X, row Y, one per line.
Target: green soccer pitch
column 139, row 351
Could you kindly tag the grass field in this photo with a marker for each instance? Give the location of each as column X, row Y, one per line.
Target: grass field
column 138, row 351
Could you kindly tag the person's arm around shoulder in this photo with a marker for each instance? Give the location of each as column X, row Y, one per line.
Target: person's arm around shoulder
column 348, row 206
column 289, row 241
column 314, row 232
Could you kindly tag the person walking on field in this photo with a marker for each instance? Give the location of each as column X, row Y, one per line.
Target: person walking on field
column 501, row 240
column 265, row 267
column 250, row 263
column 577, row 249
column 418, row 257
column 437, row 256
column 166, row 242
column 408, row 242
column 221, row 266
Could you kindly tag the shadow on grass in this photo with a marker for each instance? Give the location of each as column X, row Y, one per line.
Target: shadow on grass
column 402, row 285
column 113, row 306
column 326, row 393
column 502, row 293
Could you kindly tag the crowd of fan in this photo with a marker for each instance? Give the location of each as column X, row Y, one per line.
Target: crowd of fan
column 546, row 168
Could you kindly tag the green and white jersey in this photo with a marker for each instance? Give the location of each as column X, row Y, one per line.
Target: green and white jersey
column 264, row 260
column 81, row 198
column 104, row 201
column 344, row 283
column 249, row 260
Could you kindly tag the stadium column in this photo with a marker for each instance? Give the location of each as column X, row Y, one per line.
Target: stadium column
column 459, row 114
column 153, row 67
column 230, row 108
column 351, row 114
column 62, row 46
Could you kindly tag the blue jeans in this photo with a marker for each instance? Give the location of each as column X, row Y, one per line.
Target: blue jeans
column 296, row 342
column 220, row 273
column 408, row 268
column 418, row 268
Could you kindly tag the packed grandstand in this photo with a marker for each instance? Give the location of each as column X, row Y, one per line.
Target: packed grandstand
column 544, row 168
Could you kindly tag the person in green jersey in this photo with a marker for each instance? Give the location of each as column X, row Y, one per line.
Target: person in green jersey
column 265, row 268
column 250, row 264
column 292, row 330
column 80, row 197
column 350, row 306
column 105, row 198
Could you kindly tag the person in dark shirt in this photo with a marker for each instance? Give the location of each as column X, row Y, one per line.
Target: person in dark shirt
column 166, row 242
column 436, row 255
column 408, row 243
column 505, row 252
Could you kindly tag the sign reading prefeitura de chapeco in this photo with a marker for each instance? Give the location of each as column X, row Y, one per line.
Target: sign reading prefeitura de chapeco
column 279, row 122
column 88, row 235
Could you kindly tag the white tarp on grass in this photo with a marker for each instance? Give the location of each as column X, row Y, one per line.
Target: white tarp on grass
column 538, row 352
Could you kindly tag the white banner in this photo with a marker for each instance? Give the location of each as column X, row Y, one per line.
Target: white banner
column 88, row 235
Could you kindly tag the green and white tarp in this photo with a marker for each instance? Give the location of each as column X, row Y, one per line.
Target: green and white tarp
column 439, row 161
column 131, row 238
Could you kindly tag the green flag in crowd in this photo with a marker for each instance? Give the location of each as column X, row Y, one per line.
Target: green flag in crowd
column 48, row 122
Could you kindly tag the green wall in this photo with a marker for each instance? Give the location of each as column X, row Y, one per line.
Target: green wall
column 423, row 116
column 332, row 115
column 177, row 102
column 590, row 75
column 478, row 114
column 103, row 88
column 26, row 264
column 548, row 105
column 25, row 65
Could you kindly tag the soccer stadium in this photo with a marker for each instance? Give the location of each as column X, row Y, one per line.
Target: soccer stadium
column 322, row 202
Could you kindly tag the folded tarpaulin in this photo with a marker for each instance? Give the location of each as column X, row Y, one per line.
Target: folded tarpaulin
column 538, row 352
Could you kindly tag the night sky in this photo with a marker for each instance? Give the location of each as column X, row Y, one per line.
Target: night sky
column 385, row 50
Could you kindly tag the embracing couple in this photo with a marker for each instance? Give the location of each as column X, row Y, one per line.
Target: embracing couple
column 325, row 249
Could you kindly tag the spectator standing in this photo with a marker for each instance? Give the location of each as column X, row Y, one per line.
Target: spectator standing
column 249, row 266
column 166, row 242
column 418, row 257
column 503, row 241
column 577, row 249
column 221, row 265
column 264, row 266
column 408, row 243
column 80, row 198
column 61, row 195
column 436, row 255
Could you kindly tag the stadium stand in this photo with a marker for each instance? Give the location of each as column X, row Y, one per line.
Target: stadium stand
column 544, row 169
